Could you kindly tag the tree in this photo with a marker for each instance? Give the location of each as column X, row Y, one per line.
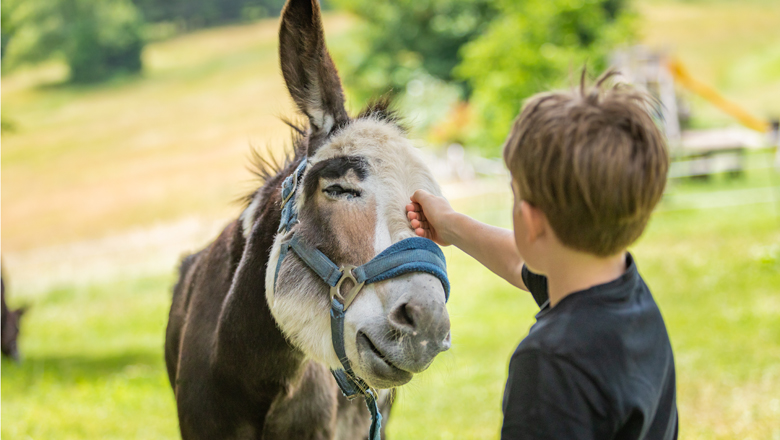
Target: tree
column 97, row 38
column 497, row 52
column 405, row 39
column 192, row 14
column 535, row 45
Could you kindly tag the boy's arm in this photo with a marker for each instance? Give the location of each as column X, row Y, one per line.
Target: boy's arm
column 433, row 217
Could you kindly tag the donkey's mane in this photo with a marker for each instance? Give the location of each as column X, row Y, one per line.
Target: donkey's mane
column 264, row 165
column 382, row 109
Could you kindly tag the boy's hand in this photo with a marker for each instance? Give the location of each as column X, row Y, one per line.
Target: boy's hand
column 428, row 216
column 433, row 217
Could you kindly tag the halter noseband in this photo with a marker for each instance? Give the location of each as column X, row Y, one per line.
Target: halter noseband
column 413, row 254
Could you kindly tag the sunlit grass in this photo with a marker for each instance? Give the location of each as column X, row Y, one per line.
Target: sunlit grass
column 94, row 364
column 716, row 277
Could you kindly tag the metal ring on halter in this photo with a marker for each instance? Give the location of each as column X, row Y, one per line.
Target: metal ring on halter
column 335, row 291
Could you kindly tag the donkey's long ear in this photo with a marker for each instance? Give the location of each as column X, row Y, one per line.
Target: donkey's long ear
column 308, row 70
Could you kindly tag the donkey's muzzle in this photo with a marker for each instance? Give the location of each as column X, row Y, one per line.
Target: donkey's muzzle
column 420, row 330
column 414, row 331
column 422, row 322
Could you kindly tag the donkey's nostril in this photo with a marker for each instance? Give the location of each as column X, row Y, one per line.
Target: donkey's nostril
column 404, row 316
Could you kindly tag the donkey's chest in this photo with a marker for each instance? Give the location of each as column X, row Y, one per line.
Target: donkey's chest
column 313, row 408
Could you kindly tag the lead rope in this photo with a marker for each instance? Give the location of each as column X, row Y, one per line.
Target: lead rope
column 349, row 384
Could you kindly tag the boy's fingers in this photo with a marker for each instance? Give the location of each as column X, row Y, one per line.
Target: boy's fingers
column 416, row 224
column 419, row 232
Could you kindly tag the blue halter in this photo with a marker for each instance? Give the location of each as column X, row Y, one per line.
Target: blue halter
column 413, row 254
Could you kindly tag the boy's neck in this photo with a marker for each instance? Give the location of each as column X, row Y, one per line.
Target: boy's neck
column 571, row 271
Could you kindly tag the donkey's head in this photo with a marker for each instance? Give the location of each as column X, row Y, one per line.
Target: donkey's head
column 358, row 179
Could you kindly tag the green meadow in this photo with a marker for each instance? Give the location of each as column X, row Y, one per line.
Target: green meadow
column 93, row 363
column 85, row 163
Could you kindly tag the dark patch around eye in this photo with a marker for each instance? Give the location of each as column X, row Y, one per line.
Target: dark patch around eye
column 333, row 169
column 341, row 192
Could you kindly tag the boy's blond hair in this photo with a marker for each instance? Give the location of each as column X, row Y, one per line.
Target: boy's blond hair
column 593, row 161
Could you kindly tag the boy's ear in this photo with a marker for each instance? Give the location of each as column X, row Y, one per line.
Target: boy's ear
column 534, row 219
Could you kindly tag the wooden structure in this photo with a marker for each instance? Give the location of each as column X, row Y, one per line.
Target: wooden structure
column 697, row 153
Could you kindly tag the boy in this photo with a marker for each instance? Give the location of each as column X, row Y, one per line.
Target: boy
column 587, row 169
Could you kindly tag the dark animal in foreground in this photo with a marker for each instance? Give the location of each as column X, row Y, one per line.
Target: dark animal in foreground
column 249, row 358
column 10, row 325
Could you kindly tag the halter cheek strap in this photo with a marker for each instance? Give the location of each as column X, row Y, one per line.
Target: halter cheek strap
column 413, row 254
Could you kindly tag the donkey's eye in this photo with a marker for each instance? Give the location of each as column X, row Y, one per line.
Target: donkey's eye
column 339, row 192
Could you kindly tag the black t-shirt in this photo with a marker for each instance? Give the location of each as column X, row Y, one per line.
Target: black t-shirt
column 598, row 365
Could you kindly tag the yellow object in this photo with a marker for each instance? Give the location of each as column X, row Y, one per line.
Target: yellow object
column 683, row 77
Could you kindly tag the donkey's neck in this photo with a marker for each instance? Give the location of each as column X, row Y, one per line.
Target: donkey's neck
column 249, row 343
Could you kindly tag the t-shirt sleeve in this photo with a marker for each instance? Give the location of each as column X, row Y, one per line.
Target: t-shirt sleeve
column 547, row 397
column 536, row 284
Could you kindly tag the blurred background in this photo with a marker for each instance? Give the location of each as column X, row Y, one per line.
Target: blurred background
column 127, row 126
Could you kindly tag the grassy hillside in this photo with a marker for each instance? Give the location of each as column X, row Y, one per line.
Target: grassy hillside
column 84, row 162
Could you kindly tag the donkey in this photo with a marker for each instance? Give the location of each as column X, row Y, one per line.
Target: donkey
column 9, row 322
column 248, row 345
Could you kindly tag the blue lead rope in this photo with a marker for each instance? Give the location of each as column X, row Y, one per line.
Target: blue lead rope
column 351, row 385
column 414, row 254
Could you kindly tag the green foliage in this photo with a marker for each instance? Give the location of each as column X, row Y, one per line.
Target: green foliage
column 97, row 38
column 497, row 52
column 404, row 40
column 532, row 46
column 191, row 14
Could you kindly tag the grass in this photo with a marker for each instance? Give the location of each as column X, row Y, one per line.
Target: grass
column 715, row 274
column 92, row 365
column 85, row 163
column 93, row 355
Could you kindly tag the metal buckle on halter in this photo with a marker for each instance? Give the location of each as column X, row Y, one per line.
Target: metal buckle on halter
column 335, row 291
